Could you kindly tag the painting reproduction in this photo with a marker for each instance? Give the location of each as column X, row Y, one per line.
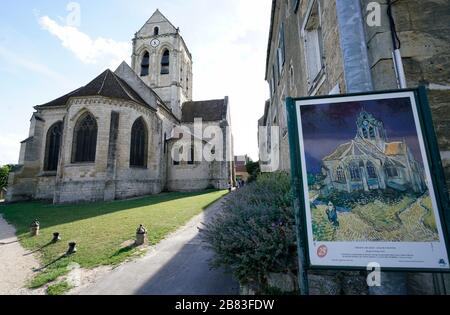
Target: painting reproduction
column 367, row 179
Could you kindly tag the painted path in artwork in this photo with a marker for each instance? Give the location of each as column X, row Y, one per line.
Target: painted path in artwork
column 408, row 220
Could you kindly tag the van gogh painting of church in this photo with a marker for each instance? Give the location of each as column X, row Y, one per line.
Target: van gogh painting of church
column 371, row 162
column 366, row 172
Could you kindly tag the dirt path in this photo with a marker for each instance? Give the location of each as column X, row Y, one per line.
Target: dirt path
column 413, row 223
column 16, row 266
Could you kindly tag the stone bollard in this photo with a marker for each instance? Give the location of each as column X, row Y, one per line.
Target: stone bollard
column 34, row 228
column 141, row 236
column 72, row 248
column 56, row 237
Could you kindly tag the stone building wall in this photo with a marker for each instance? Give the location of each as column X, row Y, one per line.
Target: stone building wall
column 292, row 82
column 90, row 179
column 423, row 29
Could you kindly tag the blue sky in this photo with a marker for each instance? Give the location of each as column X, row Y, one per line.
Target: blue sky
column 43, row 55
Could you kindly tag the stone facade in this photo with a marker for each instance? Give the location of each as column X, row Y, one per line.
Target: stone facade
column 352, row 56
column 116, row 101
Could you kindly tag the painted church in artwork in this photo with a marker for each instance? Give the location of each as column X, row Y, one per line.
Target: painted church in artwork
column 370, row 162
column 113, row 138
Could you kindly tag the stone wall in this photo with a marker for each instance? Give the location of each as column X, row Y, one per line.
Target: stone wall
column 293, row 80
column 424, row 31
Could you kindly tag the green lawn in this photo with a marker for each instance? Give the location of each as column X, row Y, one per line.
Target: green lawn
column 100, row 229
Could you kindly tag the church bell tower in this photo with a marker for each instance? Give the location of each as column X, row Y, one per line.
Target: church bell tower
column 163, row 61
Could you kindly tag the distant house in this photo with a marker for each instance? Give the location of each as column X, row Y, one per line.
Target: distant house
column 369, row 162
column 241, row 167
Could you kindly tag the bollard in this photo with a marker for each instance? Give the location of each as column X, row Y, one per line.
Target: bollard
column 34, row 228
column 141, row 236
column 56, row 237
column 72, row 248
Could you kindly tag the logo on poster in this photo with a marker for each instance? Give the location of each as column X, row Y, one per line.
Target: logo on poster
column 322, row 251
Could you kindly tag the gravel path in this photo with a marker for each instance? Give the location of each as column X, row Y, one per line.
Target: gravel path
column 16, row 266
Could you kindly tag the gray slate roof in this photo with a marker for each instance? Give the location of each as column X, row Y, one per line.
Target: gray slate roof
column 212, row 110
column 106, row 84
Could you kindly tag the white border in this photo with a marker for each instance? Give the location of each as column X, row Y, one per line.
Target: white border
column 393, row 254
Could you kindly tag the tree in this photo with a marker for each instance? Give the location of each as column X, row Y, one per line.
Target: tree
column 4, row 174
column 253, row 169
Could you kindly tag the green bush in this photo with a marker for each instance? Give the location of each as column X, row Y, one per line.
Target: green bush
column 253, row 169
column 255, row 234
column 4, row 173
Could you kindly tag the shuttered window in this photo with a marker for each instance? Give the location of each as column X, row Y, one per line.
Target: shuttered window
column 313, row 45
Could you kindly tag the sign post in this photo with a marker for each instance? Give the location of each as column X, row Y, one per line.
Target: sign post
column 368, row 183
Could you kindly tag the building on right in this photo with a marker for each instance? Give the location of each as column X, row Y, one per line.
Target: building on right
column 321, row 47
column 326, row 47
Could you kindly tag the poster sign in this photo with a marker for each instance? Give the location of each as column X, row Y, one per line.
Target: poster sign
column 367, row 188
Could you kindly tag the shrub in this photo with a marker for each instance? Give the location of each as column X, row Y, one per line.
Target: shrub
column 255, row 233
column 4, row 173
column 253, row 169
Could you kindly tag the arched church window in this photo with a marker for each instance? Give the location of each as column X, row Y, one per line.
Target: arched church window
column 165, row 62
column 355, row 173
column 156, row 31
column 52, row 148
column 340, row 175
column 372, row 133
column 85, row 139
column 391, row 171
column 365, row 133
column 371, row 171
column 138, row 149
column 145, row 64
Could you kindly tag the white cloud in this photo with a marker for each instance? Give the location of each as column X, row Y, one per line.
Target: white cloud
column 88, row 50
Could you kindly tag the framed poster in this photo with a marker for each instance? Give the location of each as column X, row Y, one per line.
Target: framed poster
column 366, row 166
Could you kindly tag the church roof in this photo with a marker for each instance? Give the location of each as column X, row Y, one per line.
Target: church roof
column 360, row 148
column 106, row 84
column 212, row 110
column 395, row 148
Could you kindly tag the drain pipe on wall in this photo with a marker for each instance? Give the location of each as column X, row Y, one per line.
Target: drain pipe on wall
column 358, row 78
column 396, row 55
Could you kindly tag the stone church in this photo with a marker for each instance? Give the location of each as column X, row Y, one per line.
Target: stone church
column 113, row 138
column 370, row 162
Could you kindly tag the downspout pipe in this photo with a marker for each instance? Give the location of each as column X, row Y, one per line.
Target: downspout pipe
column 396, row 55
column 357, row 73
column 358, row 78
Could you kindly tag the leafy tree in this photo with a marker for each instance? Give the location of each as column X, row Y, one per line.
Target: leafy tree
column 253, row 169
column 4, row 173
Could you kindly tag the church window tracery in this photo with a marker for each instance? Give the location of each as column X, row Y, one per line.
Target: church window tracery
column 145, row 65
column 85, row 139
column 138, row 149
column 371, row 171
column 165, row 62
column 355, row 173
column 53, row 146
column 340, row 175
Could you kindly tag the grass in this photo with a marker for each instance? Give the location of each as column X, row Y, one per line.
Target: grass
column 100, row 229
column 59, row 288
